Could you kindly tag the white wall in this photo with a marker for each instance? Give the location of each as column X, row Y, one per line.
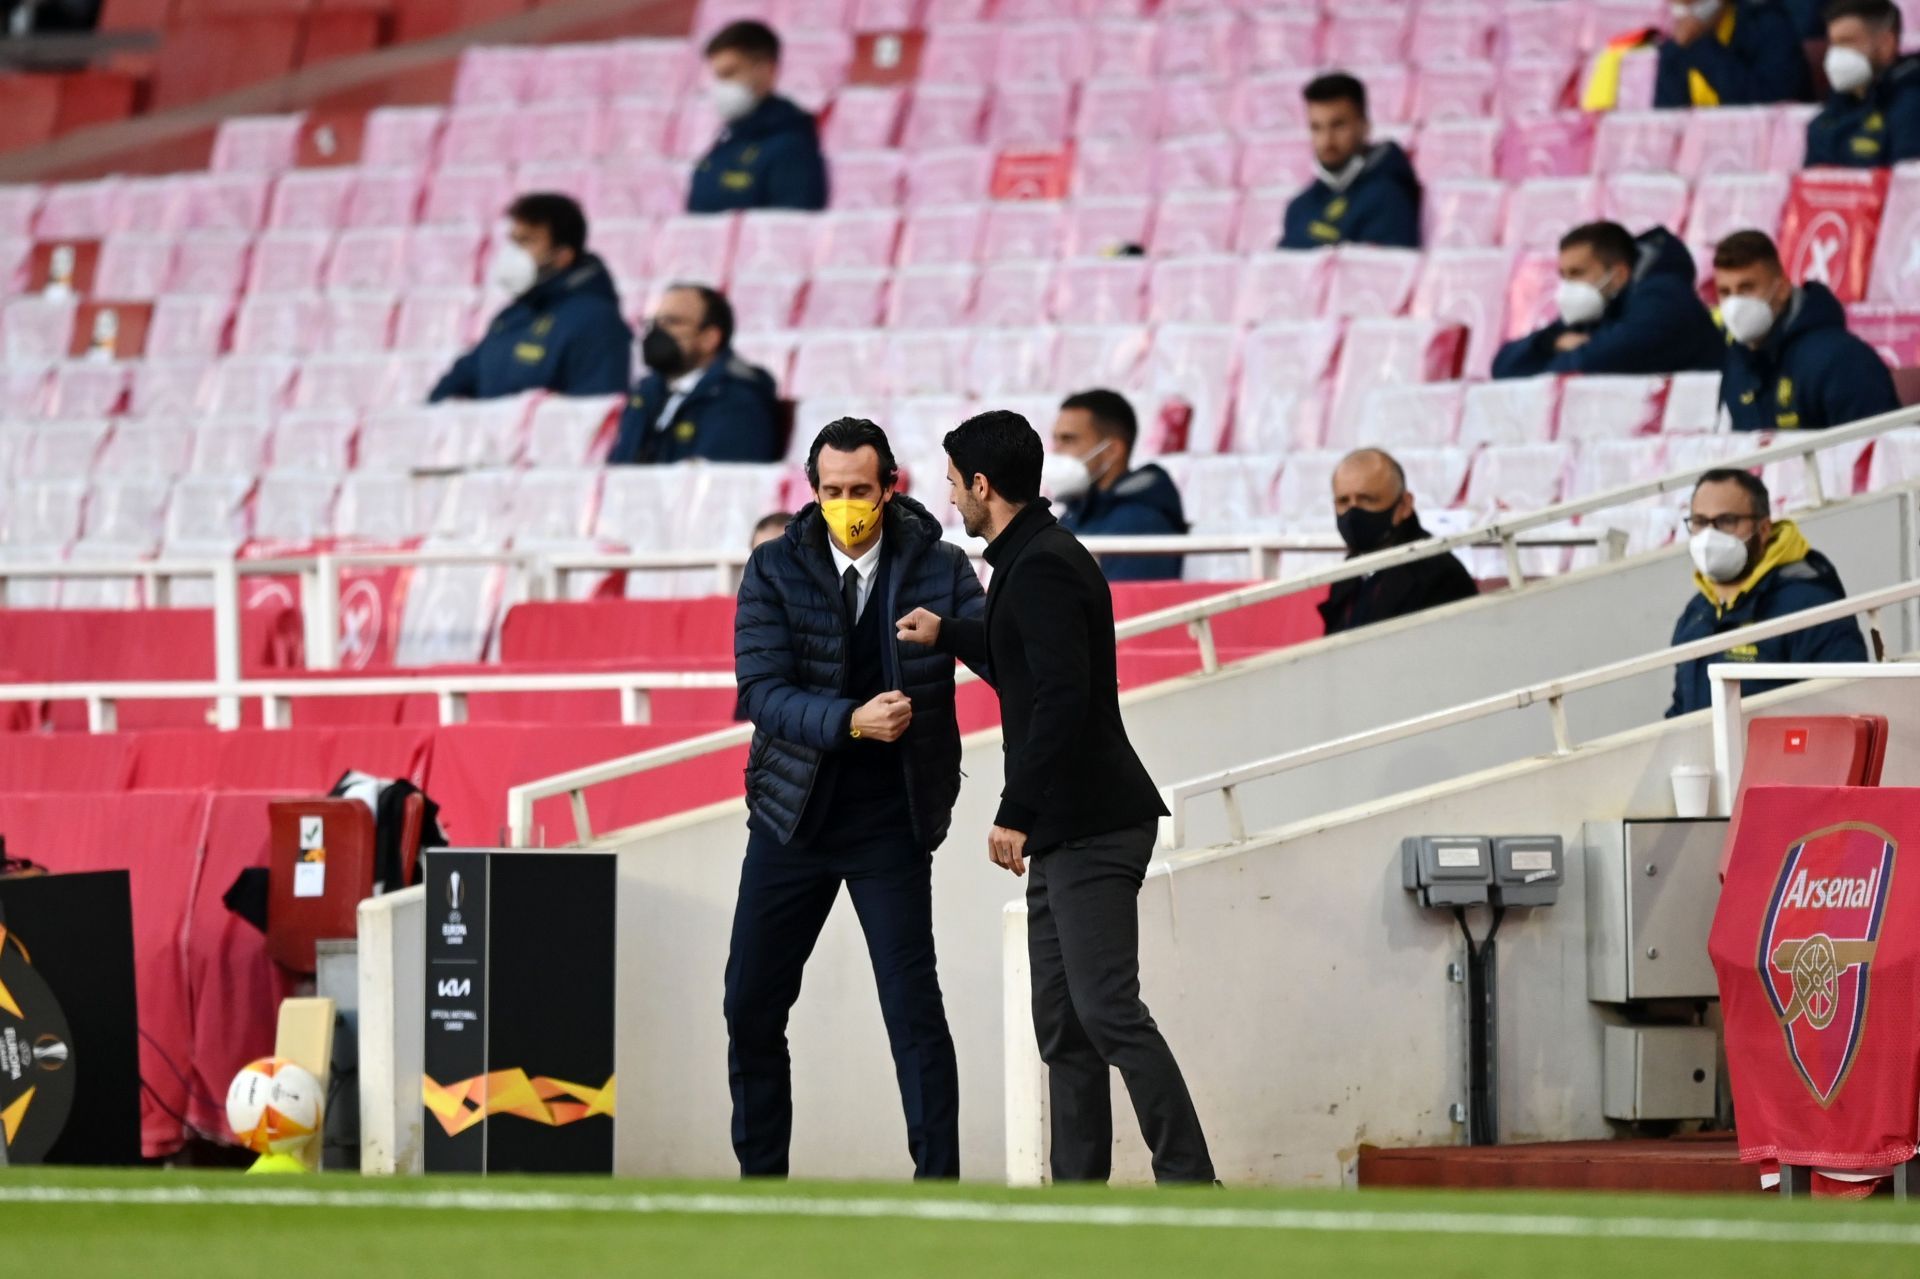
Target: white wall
column 678, row 888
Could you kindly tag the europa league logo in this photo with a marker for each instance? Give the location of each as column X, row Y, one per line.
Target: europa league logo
column 456, row 893
column 49, row 1052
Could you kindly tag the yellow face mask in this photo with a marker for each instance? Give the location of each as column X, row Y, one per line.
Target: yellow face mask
column 852, row 522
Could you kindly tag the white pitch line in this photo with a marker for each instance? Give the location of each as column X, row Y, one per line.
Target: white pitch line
column 1324, row 1221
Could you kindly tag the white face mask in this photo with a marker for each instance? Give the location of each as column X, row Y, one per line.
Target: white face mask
column 1721, row 557
column 513, row 270
column 1579, row 302
column 1848, row 70
column 1341, row 178
column 1748, row 319
column 731, row 99
column 1067, row 477
column 1699, row 10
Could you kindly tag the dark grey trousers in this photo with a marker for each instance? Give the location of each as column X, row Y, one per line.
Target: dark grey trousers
column 1083, row 941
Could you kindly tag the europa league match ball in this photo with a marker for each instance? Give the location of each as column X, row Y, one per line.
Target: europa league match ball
column 274, row 1106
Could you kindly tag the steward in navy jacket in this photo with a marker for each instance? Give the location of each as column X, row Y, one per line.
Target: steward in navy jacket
column 790, row 657
column 768, row 159
column 730, row 415
column 1142, row 503
column 1880, row 129
column 1790, row 578
column 565, row 335
column 1752, row 56
column 1657, row 324
column 1380, row 206
column 1808, row 373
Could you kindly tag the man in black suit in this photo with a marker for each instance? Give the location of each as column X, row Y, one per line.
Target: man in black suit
column 1077, row 804
column 1373, row 508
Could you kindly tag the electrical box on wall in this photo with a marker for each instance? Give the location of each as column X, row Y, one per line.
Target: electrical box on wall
column 1658, row 1072
column 1447, row 870
column 1651, row 891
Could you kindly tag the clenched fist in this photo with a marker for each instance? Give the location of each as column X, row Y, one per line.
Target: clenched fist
column 920, row 627
column 885, row 718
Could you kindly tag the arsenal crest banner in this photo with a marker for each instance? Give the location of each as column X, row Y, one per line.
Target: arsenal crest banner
column 1815, row 946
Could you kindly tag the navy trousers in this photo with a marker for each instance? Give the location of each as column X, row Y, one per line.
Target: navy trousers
column 786, row 892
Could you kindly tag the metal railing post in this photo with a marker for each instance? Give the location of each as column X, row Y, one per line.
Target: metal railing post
column 1816, row 486
column 453, row 706
column 1202, row 632
column 1562, row 738
column 103, row 715
column 320, row 606
column 636, row 706
column 1236, row 820
column 226, row 641
column 1729, row 741
column 582, row 828
column 1510, row 547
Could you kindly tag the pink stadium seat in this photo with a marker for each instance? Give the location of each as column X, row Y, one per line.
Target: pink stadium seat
column 568, row 176
column 1370, row 281
column 1449, row 33
column 1261, row 213
column 1542, row 210
column 1458, row 148
column 1605, row 465
column 1691, row 452
column 88, row 388
column 1194, row 290
column 1530, row 293
column 288, row 261
column 775, row 242
column 950, row 175
column 256, row 144
column 294, row 508
column 1021, row 231
column 926, row 362
column 387, row 197
column 1452, row 91
column 42, row 513
column 1595, row 408
column 1100, row 291
column 355, row 322
column 376, row 508
column 1844, row 470
column 1043, row 51
column 1193, row 108
column 158, row 448
column 771, row 351
column 53, row 450
column 1896, row 261
column 401, row 137
column 1517, row 477
column 1106, row 168
column 1638, row 141
column 657, row 68
column 1465, row 213
column 1284, row 285
column 156, row 206
column 232, row 446
column 1104, row 354
column 1391, row 352
column 1122, row 46
column 554, row 507
column 960, row 54
column 477, row 135
column 1199, row 162
column 367, row 259
column 184, row 326
column 695, row 247
column 1896, row 458
column 494, row 74
column 1536, row 88
column 439, row 257
column 279, row 324
column 1421, row 416
column 937, row 296
column 402, row 439
column 1194, row 364
column 1556, row 146
column 1203, row 43
column 1788, row 151
column 949, row 115
column 1028, row 117
column 134, row 267
column 837, row 363
column 1693, row 404
column 570, row 431
column 246, row 385
column 1640, row 201
column 625, row 245
column 1279, row 40
column 638, row 128
column 435, row 321
column 78, row 210
column 1367, row 36
column 1725, row 140
column 1727, row 202
column 310, row 200
column 1011, row 361
column 1439, row 475
column 576, row 72
column 1104, row 225
column 340, row 382
column 1196, row 222
column 851, row 299
column 1467, row 287
column 558, row 131
column 473, row 193
column 657, row 187
column 936, row 235
column 228, row 202
column 19, row 206
column 168, row 386
column 766, row 300
column 865, row 118
column 1271, row 102
column 1123, row 110
column 1277, row 361
column 871, row 180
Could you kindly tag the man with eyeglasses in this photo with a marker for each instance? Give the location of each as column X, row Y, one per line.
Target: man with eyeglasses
column 1751, row 568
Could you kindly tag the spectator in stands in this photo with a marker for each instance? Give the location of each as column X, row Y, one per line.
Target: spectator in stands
column 698, row 398
column 768, row 153
column 769, row 528
column 1808, row 23
column 1626, row 306
column 1101, row 494
column 1374, row 510
column 563, row 331
column 1873, row 116
column 1751, row 568
column 1731, row 53
column 1790, row 361
column 1362, row 192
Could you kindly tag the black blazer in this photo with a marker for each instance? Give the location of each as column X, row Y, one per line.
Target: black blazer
column 1047, row 644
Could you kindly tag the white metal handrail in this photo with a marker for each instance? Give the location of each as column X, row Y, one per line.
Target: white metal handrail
column 1552, row 692
column 574, row 783
column 1729, row 735
column 276, row 695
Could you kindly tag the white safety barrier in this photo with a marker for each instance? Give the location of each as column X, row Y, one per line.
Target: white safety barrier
column 392, row 1033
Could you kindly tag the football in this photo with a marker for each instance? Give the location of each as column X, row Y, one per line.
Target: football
column 274, row 1106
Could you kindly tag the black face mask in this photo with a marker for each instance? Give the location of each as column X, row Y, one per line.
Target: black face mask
column 661, row 353
column 1364, row 530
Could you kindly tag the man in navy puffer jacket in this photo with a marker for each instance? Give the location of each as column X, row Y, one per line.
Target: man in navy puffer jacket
column 851, row 778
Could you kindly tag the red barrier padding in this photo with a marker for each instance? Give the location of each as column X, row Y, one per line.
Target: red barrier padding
column 29, row 108
column 293, row 761
column 1816, row 947
column 473, row 766
column 65, row 762
column 1291, row 619
column 235, row 990
column 156, row 838
column 619, row 630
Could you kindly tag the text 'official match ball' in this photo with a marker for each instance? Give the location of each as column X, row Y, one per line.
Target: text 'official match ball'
column 274, row 1106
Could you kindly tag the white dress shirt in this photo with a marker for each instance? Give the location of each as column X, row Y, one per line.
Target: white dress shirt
column 868, row 566
column 677, row 390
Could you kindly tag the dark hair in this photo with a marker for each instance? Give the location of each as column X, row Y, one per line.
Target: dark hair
column 1745, row 249
column 754, row 39
column 1337, row 86
column 850, row 435
column 1111, row 413
column 776, row 519
column 558, row 215
column 1004, row 447
column 1612, row 243
column 717, row 312
column 1756, row 490
column 1884, row 14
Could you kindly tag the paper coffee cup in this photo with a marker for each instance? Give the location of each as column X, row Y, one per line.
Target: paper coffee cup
column 1692, row 790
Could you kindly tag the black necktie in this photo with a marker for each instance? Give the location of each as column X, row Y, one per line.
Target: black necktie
column 850, row 593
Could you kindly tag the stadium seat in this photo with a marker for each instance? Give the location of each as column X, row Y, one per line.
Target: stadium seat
column 1611, row 407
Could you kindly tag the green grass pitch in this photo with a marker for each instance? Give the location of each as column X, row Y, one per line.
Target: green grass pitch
column 157, row 1225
